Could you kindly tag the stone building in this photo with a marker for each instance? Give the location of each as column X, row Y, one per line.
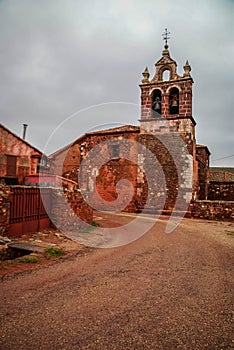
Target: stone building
column 17, row 157
column 163, row 165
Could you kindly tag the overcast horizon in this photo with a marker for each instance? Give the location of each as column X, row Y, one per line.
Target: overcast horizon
column 69, row 67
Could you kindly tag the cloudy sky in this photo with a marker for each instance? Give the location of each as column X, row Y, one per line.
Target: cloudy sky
column 69, row 66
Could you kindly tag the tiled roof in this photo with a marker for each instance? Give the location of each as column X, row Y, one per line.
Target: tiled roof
column 119, row 129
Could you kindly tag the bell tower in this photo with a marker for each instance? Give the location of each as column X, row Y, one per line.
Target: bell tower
column 167, row 95
column 166, row 113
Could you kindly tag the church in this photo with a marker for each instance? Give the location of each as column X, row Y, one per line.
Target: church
column 157, row 165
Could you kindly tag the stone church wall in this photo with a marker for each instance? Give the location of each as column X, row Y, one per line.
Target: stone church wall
column 103, row 184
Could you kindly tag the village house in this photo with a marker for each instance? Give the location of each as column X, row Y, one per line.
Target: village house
column 17, row 157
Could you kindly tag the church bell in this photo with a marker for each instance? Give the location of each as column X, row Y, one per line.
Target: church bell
column 157, row 106
column 174, row 103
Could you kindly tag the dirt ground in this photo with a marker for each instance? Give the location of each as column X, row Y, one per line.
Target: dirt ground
column 18, row 265
column 162, row 291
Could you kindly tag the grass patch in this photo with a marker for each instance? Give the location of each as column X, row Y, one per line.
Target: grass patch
column 95, row 224
column 54, row 252
column 29, row 259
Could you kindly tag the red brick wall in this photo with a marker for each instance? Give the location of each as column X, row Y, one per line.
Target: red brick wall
column 185, row 98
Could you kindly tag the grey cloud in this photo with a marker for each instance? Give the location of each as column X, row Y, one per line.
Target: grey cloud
column 59, row 57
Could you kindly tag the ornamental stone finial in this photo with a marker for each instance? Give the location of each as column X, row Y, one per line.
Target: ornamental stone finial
column 187, row 69
column 146, row 76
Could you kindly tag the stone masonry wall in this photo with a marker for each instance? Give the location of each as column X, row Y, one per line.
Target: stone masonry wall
column 221, row 190
column 4, row 209
column 69, row 211
column 172, row 185
column 212, row 210
column 107, row 178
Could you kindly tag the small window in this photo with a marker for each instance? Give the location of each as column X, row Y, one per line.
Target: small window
column 43, row 161
column 166, row 75
column 115, row 151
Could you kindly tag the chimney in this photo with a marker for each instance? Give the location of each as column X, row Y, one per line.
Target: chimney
column 24, row 130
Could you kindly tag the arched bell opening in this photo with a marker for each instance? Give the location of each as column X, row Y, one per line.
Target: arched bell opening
column 157, row 101
column 174, row 101
column 166, row 75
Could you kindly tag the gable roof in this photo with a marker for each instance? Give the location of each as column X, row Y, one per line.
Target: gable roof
column 20, row 139
column 117, row 130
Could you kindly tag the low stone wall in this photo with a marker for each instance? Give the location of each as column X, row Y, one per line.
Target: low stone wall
column 212, row 210
column 4, row 209
column 69, row 211
column 223, row 191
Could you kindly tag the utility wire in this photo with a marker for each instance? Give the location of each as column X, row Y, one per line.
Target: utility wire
column 232, row 155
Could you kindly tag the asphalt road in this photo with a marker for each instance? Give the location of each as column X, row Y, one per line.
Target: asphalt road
column 163, row 291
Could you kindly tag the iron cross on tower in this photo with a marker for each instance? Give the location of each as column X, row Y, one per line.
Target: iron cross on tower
column 166, row 37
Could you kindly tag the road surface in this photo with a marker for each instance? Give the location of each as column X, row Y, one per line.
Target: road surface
column 163, row 291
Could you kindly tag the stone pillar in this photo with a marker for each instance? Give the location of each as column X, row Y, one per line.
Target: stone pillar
column 4, row 209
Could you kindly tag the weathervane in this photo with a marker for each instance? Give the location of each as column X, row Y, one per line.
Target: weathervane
column 166, row 37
